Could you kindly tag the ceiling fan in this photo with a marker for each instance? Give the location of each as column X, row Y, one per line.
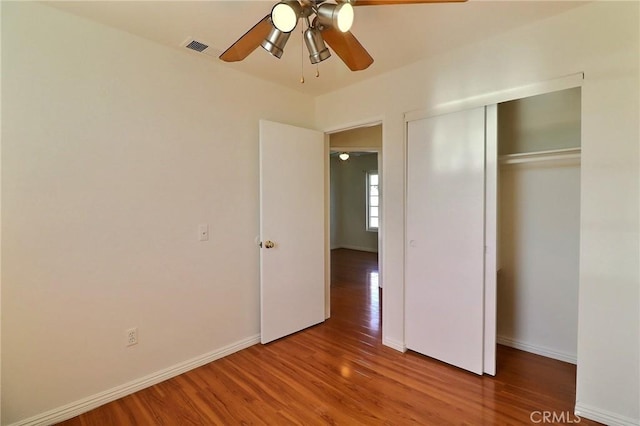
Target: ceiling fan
column 330, row 24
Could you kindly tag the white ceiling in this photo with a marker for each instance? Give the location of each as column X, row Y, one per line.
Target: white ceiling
column 394, row 35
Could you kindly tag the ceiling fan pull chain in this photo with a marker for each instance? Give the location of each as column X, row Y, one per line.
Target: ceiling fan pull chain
column 317, row 71
column 301, row 54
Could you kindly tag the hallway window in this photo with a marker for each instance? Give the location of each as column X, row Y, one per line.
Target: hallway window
column 373, row 201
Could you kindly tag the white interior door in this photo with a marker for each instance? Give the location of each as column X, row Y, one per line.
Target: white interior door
column 445, row 237
column 292, row 257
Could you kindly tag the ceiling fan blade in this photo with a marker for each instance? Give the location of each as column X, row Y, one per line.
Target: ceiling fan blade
column 348, row 48
column 248, row 42
column 394, row 2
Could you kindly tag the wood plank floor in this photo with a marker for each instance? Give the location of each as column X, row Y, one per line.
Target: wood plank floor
column 339, row 373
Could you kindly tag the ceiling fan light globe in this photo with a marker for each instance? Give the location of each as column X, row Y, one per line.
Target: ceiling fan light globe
column 284, row 15
column 345, row 17
column 339, row 16
column 344, row 156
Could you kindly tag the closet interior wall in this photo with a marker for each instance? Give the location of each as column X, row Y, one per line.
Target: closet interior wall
column 539, row 223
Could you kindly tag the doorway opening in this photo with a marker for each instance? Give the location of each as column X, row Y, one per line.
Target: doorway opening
column 355, row 206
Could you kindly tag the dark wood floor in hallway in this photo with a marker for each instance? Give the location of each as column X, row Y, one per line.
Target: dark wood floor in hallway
column 340, row 373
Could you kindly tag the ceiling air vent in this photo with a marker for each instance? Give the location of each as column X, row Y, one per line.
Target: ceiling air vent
column 200, row 47
column 196, row 45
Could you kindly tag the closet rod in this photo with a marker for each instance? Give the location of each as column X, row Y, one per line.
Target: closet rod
column 529, row 157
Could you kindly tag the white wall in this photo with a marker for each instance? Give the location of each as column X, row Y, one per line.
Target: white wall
column 349, row 213
column 114, row 149
column 601, row 39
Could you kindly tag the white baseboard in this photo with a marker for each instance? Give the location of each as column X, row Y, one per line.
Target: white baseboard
column 394, row 344
column 359, row 248
column 76, row 408
column 604, row 416
column 538, row 350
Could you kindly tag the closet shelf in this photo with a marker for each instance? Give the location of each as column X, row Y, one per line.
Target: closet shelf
column 530, row 157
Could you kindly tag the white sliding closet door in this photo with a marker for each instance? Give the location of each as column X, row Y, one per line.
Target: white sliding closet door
column 445, row 237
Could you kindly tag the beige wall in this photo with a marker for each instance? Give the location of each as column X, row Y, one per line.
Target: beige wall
column 540, row 123
column 600, row 39
column 349, row 211
column 114, row 150
column 362, row 137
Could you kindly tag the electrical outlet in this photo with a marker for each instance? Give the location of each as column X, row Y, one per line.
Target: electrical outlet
column 132, row 336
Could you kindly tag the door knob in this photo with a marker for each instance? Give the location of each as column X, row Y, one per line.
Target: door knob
column 269, row 244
